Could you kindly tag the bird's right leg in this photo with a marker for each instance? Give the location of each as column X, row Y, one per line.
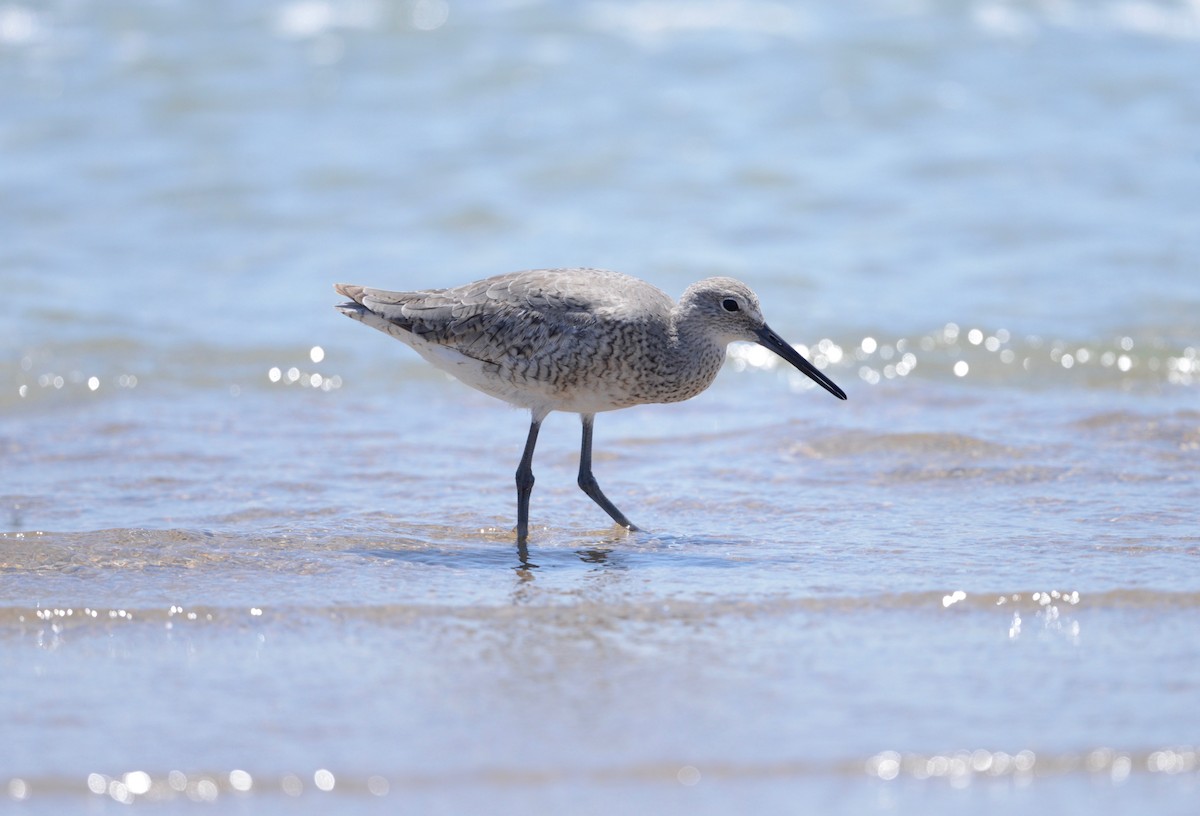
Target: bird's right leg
column 525, row 480
column 587, row 481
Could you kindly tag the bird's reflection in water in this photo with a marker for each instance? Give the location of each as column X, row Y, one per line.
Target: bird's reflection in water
column 524, row 566
column 602, row 554
column 594, row 555
column 612, row 551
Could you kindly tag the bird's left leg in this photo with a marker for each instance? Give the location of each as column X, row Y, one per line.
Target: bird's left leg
column 587, row 482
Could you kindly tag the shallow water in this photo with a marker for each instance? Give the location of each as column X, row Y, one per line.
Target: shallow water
column 256, row 554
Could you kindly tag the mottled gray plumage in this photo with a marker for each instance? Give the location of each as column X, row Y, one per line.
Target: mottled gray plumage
column 579, row 340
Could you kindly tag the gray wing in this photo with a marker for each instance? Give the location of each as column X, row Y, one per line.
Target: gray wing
column 518, row 315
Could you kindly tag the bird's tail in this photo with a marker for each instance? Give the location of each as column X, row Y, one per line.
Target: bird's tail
column 376, row 308
column 354, row 308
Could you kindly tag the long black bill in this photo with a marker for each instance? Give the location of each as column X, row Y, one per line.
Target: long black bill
column 775, row 343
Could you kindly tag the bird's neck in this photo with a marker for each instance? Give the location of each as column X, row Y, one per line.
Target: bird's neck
column 693, row 356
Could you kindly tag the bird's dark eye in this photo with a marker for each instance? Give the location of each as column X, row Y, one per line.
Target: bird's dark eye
column 730, row 305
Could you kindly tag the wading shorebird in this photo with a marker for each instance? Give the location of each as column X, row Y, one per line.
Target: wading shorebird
column 578, row 340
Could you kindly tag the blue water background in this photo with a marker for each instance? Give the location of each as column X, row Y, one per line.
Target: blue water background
column 1006, row 191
